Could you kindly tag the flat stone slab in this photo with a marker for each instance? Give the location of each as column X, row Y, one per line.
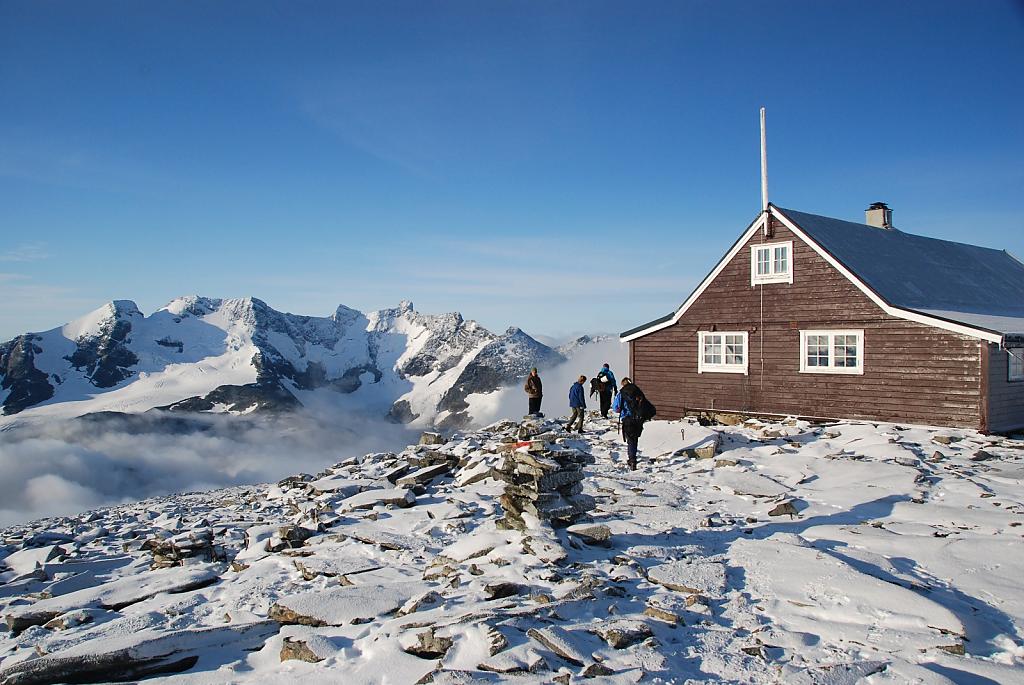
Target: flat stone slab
column 474, row 473
column 622, row 633
column 561, row 643
column 700, row 578
column 27, row 560
column 311, row 567
column 136, row 655
column 592, row 534
column 424, row 475
column 113, row 595
column 371, row 498
column 344, row 487
column 385, row 539
column 397, row 472
column 744, row 483
column 341, row 605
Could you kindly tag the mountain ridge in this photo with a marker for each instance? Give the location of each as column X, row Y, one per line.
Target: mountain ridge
column 240, row 355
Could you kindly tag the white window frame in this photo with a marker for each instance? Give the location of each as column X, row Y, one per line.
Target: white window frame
column 704, row 367
column 772, row 276
column 831, row 368
column 1014, row 354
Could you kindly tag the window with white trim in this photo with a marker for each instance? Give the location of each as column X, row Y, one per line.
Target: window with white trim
column 771, row 263
column 832, row 352
column 722, row 352
column 1015, row 372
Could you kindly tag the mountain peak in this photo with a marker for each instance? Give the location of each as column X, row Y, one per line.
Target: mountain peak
column 345, row 314
column 191, row 304
column 93, row 323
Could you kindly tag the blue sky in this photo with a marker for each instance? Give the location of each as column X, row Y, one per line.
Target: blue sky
column 561, row 166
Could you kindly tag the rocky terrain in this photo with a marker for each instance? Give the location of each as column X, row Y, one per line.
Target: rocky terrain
column 200, row 354
column 756, row 553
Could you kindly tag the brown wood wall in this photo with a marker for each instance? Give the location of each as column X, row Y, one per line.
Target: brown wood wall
column 913, row 373
column 1005, row 398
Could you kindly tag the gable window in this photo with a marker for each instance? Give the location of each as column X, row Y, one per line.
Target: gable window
column 771, row 263
column 1016, row 370
column 724, row 352
column 832, row 352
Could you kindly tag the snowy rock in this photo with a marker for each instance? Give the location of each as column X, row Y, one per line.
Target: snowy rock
column 311, row 567
column 175, row 550
column 298, row 650
column 835, row 674
column 72, row 619
column 427, row 644
column 784, row 508
column 113, row 595
column 501, row 590
column 706, row 449
column 399, row 497
column 561, row 642
column 29, row 560
column 424, row 600
column 341, row 486
column 473, row 473
column 592, row 534
column 522, row 659
column 694, row 578
column 135, row 655
column 340, row 606
column 423, row 475
column 753, row 484
column 622, row 633
column 385, row 539
column 429, row 438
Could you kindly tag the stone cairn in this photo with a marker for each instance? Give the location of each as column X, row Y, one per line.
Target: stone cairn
column 542, row 479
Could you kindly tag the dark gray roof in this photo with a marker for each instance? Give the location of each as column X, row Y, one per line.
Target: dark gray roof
column 966, row 283
column 660, row 319
column 976, row 286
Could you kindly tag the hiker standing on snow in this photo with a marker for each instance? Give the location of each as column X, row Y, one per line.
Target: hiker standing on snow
column 534, row 391
column 627, row 403
column 578, row 404
column 608, row 387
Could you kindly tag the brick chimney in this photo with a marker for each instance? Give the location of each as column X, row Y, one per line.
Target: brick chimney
column 878, row 215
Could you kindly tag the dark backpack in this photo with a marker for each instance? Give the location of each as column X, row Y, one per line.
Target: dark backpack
column 638, row 405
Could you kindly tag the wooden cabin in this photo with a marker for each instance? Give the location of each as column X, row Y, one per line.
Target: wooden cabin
column 822, row 318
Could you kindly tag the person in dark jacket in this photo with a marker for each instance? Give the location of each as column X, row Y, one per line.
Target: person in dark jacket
column 625, row 404
column 578, row 404
column 534, row 391
column 607, row 387
column 606, row 371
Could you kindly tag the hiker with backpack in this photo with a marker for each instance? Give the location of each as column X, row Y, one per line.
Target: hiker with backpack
column 534, row 391
column 633, row 408
column 578, row 404
column 603, row 386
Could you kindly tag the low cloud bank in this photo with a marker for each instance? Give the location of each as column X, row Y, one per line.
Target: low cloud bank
column 511, row 403
column 75, row 465
column 69, row 466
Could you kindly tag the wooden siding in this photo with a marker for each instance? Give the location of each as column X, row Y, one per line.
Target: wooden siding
column 1005, row 398
column 913, row 373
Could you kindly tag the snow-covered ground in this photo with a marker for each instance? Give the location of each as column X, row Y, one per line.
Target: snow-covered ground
column 799, row 554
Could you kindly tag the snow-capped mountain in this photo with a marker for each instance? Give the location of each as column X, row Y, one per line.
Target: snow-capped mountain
column 240, row 355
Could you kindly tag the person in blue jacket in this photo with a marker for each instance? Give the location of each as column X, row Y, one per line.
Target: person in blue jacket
column 578, row 404
column 608, row 388
column 611, row 377
column 632, row 426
